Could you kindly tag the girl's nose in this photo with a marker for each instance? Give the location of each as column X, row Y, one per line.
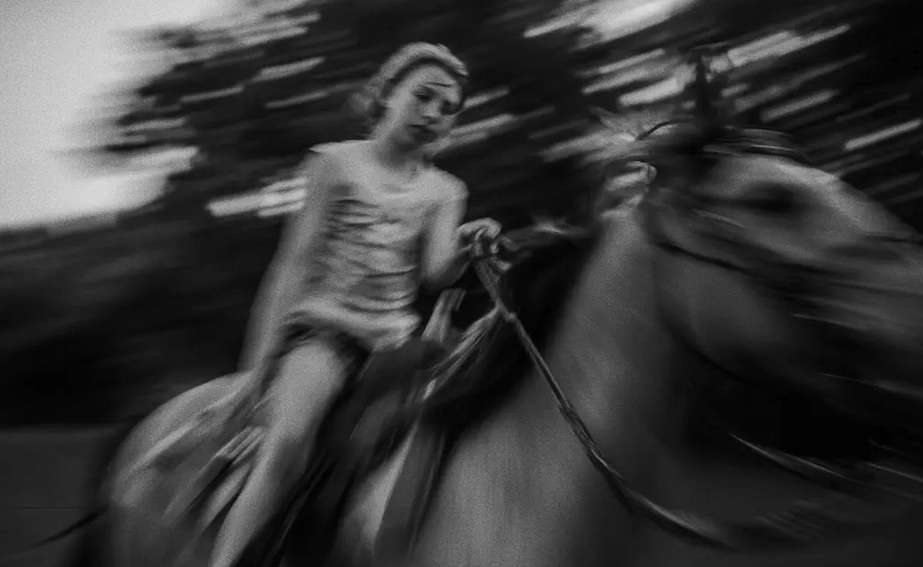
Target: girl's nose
column 430, row 111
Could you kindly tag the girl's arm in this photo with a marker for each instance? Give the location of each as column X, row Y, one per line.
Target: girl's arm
column 288, row 270
column 444, row 255
column 444, row 258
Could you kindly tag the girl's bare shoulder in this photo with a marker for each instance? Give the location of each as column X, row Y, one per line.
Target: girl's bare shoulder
column 340, row 153
column 447, row 187
column 331, row 161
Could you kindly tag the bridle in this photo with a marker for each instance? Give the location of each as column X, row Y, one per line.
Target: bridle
column 831, row 516
column 789, row 281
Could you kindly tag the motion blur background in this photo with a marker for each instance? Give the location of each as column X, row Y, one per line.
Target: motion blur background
column 128, row 277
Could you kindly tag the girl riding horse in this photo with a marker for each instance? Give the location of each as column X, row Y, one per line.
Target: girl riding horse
column 740, row 274
column 380, row 220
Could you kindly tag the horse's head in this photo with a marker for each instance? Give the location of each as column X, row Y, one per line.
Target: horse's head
column 781, row 273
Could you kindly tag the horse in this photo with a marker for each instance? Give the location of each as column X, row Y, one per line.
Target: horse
column 740, row 351
column 734, row 380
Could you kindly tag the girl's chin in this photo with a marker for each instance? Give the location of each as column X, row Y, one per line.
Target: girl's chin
column 415, row 144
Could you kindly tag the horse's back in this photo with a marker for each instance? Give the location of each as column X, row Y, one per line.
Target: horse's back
column 165, row 419
column 137, row 530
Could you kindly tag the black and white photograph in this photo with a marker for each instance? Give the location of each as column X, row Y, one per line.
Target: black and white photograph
column 461, row 283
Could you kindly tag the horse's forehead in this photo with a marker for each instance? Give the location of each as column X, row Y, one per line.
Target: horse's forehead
column 741, row 171
column 832, row 197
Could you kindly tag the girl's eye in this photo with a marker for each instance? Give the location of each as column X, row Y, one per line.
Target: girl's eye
column 446, row 107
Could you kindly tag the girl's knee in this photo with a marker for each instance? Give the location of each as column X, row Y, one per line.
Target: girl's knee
column 285, row 453
column 315, row 357
column 305, row 389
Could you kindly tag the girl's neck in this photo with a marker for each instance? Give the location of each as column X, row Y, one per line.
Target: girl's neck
column 399, row 160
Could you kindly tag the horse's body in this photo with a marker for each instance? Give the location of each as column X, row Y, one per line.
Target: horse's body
column 521, row 491
column 633, row 341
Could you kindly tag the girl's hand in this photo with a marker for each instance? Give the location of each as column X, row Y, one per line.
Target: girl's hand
column 490, row 228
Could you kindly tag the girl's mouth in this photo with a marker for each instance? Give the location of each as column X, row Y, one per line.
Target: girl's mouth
column 423, row 133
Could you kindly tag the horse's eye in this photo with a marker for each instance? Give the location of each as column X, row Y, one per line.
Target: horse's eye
column 774, row 199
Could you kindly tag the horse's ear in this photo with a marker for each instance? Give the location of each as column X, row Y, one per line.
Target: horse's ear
column 678, row 153
column 709, row 110
column 703, row 92
column 674, row 148
column 671, row 148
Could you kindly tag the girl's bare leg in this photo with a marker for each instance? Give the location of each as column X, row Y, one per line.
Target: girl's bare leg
column 309, row 377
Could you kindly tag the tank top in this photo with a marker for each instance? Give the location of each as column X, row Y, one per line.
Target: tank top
column 364, row 271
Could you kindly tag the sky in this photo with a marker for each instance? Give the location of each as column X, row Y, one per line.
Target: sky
column 58, row 58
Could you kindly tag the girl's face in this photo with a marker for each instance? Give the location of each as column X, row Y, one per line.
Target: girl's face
column 422, row 108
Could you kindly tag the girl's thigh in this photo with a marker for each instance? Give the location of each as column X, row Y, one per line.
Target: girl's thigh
column 309, row 378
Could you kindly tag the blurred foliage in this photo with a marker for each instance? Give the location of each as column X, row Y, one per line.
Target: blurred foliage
column 108, row 324
column 253, row 92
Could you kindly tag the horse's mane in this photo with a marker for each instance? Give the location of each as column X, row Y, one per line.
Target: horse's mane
column 686, row 136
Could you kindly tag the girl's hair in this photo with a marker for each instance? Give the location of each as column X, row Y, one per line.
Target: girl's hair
column 370, row 100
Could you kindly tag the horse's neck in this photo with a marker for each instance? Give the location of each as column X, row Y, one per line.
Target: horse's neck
column 520, row 490
column 523, row 473
column 614, row 349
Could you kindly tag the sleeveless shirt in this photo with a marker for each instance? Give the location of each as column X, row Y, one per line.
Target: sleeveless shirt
column 364, row 271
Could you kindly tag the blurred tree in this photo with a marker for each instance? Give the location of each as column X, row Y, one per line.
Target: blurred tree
column 253, row 92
